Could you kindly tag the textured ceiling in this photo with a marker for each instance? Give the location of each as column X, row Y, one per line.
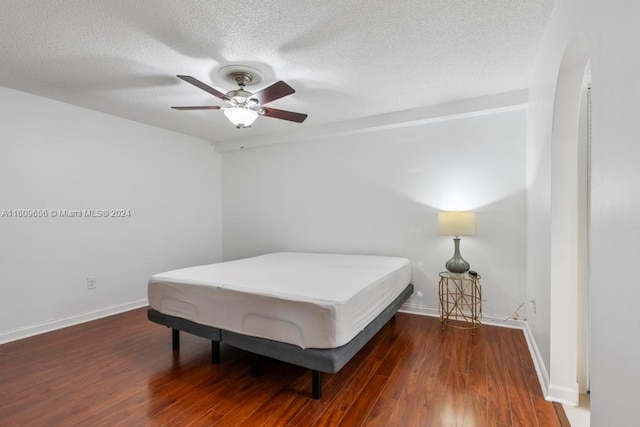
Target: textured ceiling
column 345, row 59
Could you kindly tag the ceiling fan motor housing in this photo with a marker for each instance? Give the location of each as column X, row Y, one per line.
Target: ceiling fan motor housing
column 243, row 78
column 241, row 97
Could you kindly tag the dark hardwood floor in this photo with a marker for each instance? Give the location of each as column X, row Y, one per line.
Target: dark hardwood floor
column 121, row 371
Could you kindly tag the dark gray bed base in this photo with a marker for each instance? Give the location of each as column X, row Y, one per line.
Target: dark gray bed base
column 329, row 360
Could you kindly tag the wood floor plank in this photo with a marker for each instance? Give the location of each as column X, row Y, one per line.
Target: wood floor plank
column 546, row 415
column 264, row 413
column 121, row 371
column 335, row 411
column 331, row 391
column 438, row 386
column 418, row 401
column 291, row 401
column 499, row 404
column 358, row 412
column 520, row 400
column 454, row 403
column 476, row 406
column 381, row 413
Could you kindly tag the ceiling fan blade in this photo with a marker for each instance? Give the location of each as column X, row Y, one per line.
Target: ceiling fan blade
column 203, row 86
column 209, row 107
column 284, row 115
column 273, row 92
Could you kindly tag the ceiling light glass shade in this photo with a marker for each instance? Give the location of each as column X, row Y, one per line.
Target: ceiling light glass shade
column 241, row 117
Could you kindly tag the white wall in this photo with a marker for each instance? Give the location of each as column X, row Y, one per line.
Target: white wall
column 379, row 192
column 58, row 156
column 611, row 33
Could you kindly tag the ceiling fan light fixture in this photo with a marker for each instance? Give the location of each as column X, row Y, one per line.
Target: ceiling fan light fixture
column 241, row 117
column 243, row 106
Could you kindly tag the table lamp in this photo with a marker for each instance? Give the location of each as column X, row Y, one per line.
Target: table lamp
column 457, row 224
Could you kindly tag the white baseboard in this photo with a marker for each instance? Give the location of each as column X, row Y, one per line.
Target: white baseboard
column 420, row 309
column 497, row 320
column 541, row 370
column 487, row 319
column 564, row 395
column 52, row 325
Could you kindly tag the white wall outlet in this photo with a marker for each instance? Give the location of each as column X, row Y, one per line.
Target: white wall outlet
column 91, row 283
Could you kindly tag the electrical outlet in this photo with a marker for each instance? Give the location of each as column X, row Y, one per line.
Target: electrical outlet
column 91, row 283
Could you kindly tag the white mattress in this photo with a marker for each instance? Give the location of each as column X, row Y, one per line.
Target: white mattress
column 309, row 300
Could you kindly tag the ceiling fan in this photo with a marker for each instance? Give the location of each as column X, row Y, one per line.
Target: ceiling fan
column 244, row 107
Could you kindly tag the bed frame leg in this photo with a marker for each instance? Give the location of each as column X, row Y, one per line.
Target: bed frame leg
column 255, row 365
column 175, row 338
column 215, row 352
column 316, row 385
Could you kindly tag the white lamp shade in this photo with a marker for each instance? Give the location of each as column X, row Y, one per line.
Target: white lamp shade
column 241, row 116
column 457, row 223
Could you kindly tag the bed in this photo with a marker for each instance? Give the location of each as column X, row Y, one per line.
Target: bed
column 311, row 310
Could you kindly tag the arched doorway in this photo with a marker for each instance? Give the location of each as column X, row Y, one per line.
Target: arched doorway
column 569, row 223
